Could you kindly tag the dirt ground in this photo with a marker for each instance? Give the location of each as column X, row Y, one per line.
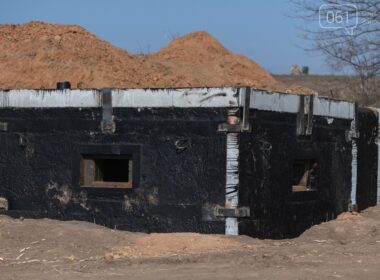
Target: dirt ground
column 347, row 248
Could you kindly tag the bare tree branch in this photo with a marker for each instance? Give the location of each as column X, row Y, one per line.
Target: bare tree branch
column 346, row 32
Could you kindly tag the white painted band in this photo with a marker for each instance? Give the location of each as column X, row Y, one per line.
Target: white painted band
column 226, row 97
column 354, row 171
column 334, row 108
column 354, row 164
column 49, row 98
column 134, row 98
column 289, row 103
column 232, row 181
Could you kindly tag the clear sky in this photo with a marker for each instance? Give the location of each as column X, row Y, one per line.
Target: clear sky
column 259, row 29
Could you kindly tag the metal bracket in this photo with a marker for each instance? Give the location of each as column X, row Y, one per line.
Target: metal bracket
column 352, row 207
column 232, row 212
column 218, row 213
column 244, row 125
column 305, row 115
column 108, row 124
column 3, row 126
column 4, row 205
column 353, row 133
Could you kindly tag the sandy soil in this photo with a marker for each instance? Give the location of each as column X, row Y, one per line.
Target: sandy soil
column 38, row 55
column 347, row 248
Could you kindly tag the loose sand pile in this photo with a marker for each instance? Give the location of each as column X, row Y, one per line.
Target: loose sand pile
column 162, row 244
column 53, row 239
column 348, row 228
column 37, row 55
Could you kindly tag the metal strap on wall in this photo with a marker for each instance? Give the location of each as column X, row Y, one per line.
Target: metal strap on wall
column 108, row 124
column 310, row 112
column 305, row 115
column 3, row 126
column 244, row 125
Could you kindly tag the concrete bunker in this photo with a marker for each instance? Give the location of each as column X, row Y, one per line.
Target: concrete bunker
column 212, row 160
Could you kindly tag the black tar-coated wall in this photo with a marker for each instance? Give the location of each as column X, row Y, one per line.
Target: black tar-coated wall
column 181, row 167
column 267, row 157
column 367, row 158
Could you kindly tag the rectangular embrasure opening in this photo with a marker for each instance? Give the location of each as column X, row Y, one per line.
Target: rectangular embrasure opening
column 106, row 171
column 304, row 177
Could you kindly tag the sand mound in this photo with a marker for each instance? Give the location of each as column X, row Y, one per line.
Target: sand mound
column 162, row 244
column 83, row 240
column 37, row 55
column 206, row 62
column 347, row 228
column 348, row 216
